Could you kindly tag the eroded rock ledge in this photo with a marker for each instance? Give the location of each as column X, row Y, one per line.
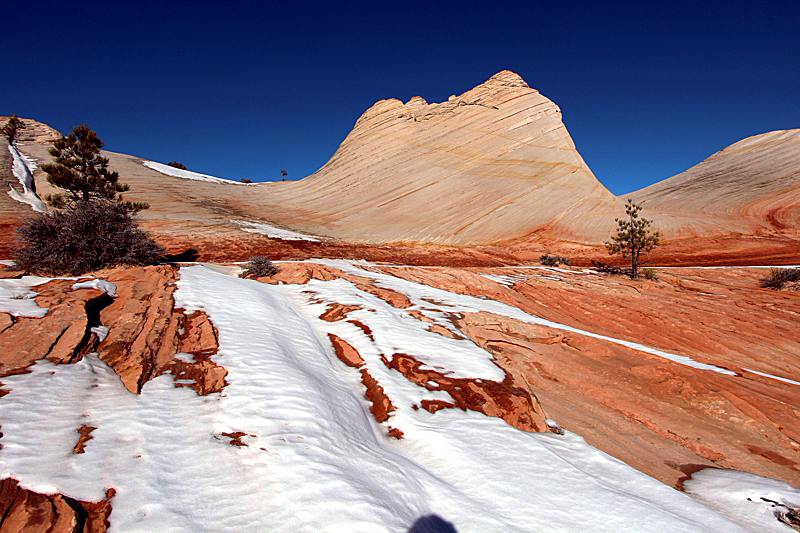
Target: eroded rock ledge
column 146, row 330
column 148, row 336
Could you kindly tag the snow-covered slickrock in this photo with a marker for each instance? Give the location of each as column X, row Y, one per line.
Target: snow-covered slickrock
column 366, row 398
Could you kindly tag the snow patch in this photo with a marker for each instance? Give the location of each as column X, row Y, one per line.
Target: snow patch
column 100, row 331
column 749, row 500
column 185, row 357
column 24, row 175
column 274, row 233
column 17, row 298
column 99, row 284
column 187, row 174
column 785, row 380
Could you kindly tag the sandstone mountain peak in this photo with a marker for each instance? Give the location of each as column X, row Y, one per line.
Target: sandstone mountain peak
column 506, row 78
column 492, row 164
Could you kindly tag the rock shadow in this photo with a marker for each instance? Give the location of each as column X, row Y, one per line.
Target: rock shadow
column 432, row 524
column 187, row 256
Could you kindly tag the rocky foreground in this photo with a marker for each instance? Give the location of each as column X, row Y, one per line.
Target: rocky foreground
column 691, row 372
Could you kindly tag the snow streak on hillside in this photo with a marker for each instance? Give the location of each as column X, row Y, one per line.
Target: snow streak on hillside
column 314, row 459
column 186, row 174
column 22, row 168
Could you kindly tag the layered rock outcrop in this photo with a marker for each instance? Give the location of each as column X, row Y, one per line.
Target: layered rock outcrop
column 145, row 331
column 664, row 418
column 751, row 187
column 491, row 164
column 493, row 167
column 25, row 511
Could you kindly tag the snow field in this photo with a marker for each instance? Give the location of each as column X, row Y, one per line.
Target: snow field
column 316, row 460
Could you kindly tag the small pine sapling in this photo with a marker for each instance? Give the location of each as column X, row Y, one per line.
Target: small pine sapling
column 11, row 128
column 79, row 168
column 632, row 238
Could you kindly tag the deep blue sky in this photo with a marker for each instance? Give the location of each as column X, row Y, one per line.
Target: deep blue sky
column 647, row 89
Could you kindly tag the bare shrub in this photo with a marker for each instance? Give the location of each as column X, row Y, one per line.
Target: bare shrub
column 259, row 267
column 84, row 237
column 779, row 277
column 175, row 164
column 553, row 260
column 607, row 269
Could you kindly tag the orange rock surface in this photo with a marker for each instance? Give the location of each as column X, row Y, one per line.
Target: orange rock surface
column 661, row 417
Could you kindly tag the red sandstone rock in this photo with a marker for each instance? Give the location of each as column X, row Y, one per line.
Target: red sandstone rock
column 144, row 333
column 144, row 330
column 380, row 404
column 658, row 416
column 336, row 312
column 507, row 400
column 57, row 337
column 85, row 433
column 26, row 511
column 346, row 353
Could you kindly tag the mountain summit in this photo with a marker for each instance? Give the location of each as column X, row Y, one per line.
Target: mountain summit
column 491, row 164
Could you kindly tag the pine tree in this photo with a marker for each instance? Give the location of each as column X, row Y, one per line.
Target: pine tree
column 632, row 237
column 92, row 227
column 83, row 172
column 11, row 128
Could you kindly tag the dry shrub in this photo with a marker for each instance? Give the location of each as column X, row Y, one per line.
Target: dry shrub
column 553, row 260
column 779, row 277
column 259, row 267
column 82, row 238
